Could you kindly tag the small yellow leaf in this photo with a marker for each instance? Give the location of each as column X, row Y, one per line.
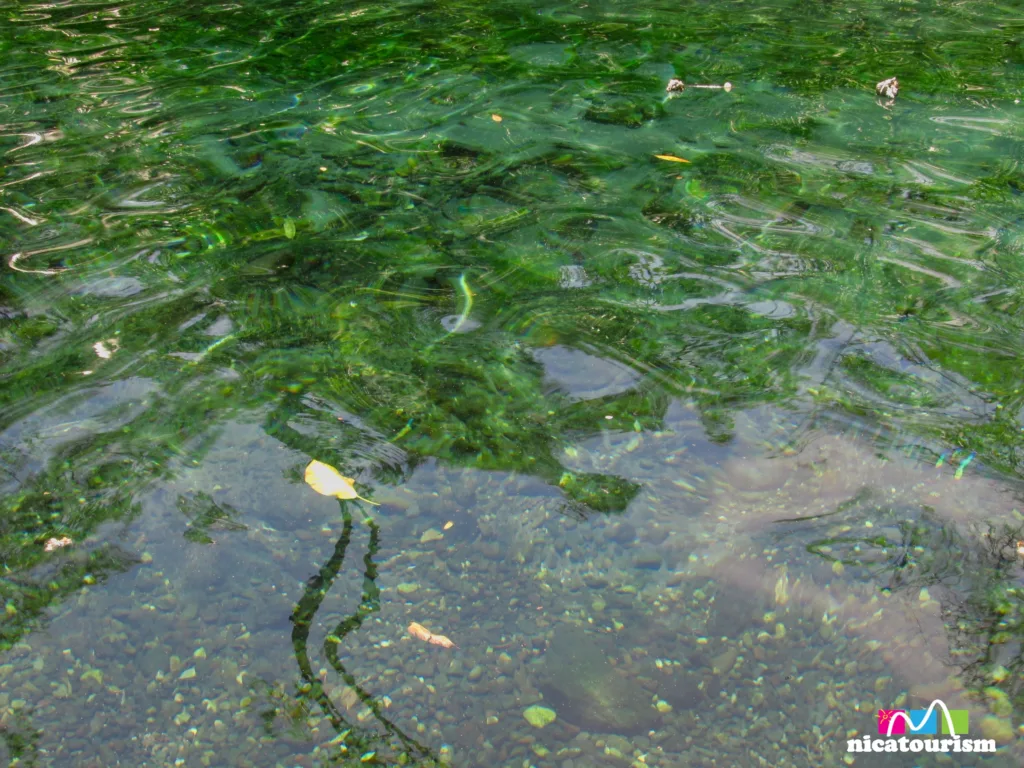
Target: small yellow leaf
column 289, row 229
column 496, row 118
column 672, row 158
column 326, row 480
column 448, row 525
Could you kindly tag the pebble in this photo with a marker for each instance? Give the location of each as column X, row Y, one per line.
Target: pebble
column 624, row 533
column 491, row 550
column 431, row 534
column 998, row 729
column 618, row 743
column 539, row 716
column 650, row 561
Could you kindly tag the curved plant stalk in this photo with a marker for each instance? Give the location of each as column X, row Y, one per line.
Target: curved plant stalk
column 302, row 618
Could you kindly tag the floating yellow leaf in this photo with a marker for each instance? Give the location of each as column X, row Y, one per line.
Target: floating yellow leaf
column 448, row 525
column 326, row 480
column 496, row 118
column 672, row 158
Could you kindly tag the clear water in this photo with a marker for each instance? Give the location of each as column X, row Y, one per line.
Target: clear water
column 713, row 454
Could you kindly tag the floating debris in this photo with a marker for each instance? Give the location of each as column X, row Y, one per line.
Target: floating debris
column 53, row 544
column 422, row 633
column 105, row 349
column 327, row 481
column 675, row 86
column 888, row 89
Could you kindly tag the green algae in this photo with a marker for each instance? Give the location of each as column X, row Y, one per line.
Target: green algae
column 539, row 716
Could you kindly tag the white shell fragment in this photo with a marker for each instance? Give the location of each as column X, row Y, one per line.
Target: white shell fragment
column 675, row 86
column 888, row 88
column 54, row 543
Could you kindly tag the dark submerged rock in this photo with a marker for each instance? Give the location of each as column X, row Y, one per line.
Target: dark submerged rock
column 582, row 686
column 649, row 561
column 623, row 533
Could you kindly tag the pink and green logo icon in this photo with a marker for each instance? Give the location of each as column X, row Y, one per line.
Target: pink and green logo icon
column 917, row 730
column 922, row 722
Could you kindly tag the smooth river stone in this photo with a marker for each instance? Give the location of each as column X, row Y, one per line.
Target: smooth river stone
column 582, row 686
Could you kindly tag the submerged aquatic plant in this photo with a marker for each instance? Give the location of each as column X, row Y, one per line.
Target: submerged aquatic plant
column 977, row 575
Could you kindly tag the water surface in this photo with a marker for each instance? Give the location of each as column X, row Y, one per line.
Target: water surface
column 712, row 456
